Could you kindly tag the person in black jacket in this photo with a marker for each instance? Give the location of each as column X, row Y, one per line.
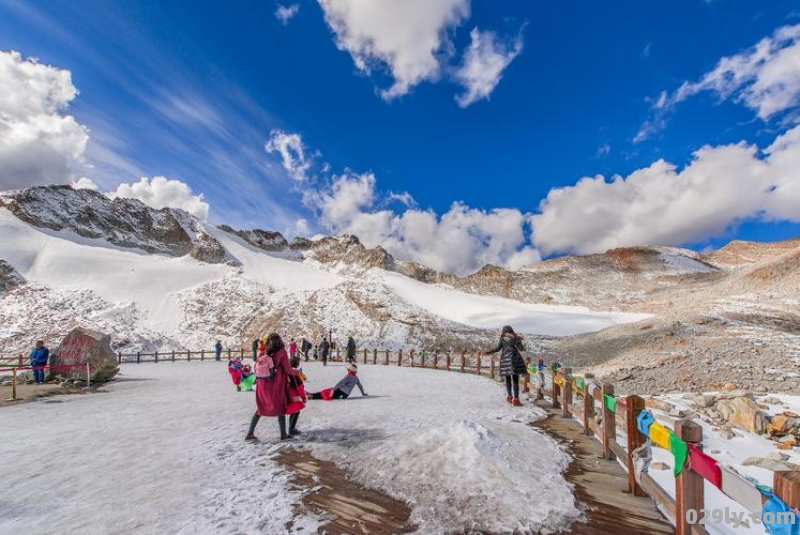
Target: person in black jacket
column 351, row 350
column 512, row 365
column 324, row 348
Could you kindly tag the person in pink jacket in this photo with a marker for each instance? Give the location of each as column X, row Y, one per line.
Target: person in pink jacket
column 292, row 349
column 272, row 385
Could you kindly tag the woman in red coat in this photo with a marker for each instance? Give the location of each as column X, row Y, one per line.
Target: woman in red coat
column 272, row 385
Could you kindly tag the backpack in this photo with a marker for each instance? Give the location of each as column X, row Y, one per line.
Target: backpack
column 265, row 368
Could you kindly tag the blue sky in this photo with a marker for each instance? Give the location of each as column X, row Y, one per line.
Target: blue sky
column 194, row 95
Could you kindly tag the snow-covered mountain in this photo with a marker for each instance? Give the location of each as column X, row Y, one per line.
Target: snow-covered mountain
column 161, row 279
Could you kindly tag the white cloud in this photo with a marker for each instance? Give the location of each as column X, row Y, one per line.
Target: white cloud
column 765, row 78
column 483, row 65
column 284, row 13
column 161, row 192
column 85, row 183
column 38, row 142
column 292, row 152
column 603, row 150
column 410, row 38
column 460, row 241
column 721, row 187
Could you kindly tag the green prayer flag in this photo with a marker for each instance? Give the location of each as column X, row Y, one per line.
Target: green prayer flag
column 610, row 402
column 580, row 383
column 679, row 450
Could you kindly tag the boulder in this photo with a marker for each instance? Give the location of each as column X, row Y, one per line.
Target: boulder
column 81, row 347
column 771, row 464
column 658, row 404
column 742, row 412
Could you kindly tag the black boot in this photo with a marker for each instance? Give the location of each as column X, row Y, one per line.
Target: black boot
column 251, row 432
column 293, row 424
column 282, row 425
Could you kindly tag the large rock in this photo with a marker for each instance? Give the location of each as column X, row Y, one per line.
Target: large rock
column 82, row 346
column 742, row 412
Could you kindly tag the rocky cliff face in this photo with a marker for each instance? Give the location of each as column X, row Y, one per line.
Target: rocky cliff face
column 743, row 253
column 9, row 278
column 122, row 222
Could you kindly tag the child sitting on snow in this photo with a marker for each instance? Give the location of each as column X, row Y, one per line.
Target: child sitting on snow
column 343, row 388
column 235, row 369
column 248, row 379
column 297, row 396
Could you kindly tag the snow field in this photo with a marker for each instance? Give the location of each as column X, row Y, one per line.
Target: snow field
column 163, row 451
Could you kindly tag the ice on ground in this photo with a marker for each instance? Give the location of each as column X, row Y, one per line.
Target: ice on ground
column 163, row 452
column 488, row 312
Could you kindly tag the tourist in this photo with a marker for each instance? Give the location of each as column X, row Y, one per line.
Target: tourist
column 38, row 357
column 305, row 347
column 218, row 350
column 235, row 369
column 316, row 352
column 297, row 396
column 512, row 365
column 343, row 388
column 351, row 349
column 324, row 348
column 255, row 349
column 292, row 349
column 272, row 385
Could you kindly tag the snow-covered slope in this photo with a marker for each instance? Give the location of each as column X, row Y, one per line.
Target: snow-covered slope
column 159, row 301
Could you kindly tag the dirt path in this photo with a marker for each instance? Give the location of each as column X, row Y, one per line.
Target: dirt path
column 349, row 507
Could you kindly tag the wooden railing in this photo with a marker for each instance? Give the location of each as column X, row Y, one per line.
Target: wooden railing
column 583, row 399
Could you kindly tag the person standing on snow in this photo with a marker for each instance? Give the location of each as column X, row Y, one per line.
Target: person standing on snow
column 343, row 388
column 218, row 350
column 305, row 347
column 38, row 357
column 255, row 349
column 512, row 365
column 324, row 348
column 351, row 349
column 292, row 349
column 272, row 385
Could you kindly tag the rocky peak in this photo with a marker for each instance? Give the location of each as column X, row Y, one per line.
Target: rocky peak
column 743, row 253
column 122, row 222
column 348, row 249
column 263, row 239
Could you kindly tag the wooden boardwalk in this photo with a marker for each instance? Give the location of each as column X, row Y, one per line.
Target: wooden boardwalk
column 600, row 484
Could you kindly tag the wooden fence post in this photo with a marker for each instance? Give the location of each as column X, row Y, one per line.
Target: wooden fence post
column 365, row 355
column 566, row 394
column 588, row 407
column 189, row 355
column 554, row 395
column 138, row 357
column 609, row 423
column 786, row 486
column 202, row 354
column 478, row 364
column 399, row 357
column 463, row 360
column 119, row 357
column 447, row 362
column 19, row 360
column 491, row 366
column 689, row 485
column 229, row 353
column 435, row 359
column 156, row 356
column 387, row 357
column 375, row 356
column 635, row 405
column 173, row 355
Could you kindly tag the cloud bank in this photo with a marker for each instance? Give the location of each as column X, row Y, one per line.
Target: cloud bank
column 39, row 143
column 160, row 192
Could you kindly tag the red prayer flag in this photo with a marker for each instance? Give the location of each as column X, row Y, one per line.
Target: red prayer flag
column 705, row 466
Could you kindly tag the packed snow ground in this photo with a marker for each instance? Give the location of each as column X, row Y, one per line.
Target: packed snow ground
column 163, row 452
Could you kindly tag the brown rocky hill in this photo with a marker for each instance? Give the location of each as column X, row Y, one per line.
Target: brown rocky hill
column 742, row 253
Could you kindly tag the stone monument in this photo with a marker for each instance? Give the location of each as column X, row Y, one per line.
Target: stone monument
column 82, row 346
